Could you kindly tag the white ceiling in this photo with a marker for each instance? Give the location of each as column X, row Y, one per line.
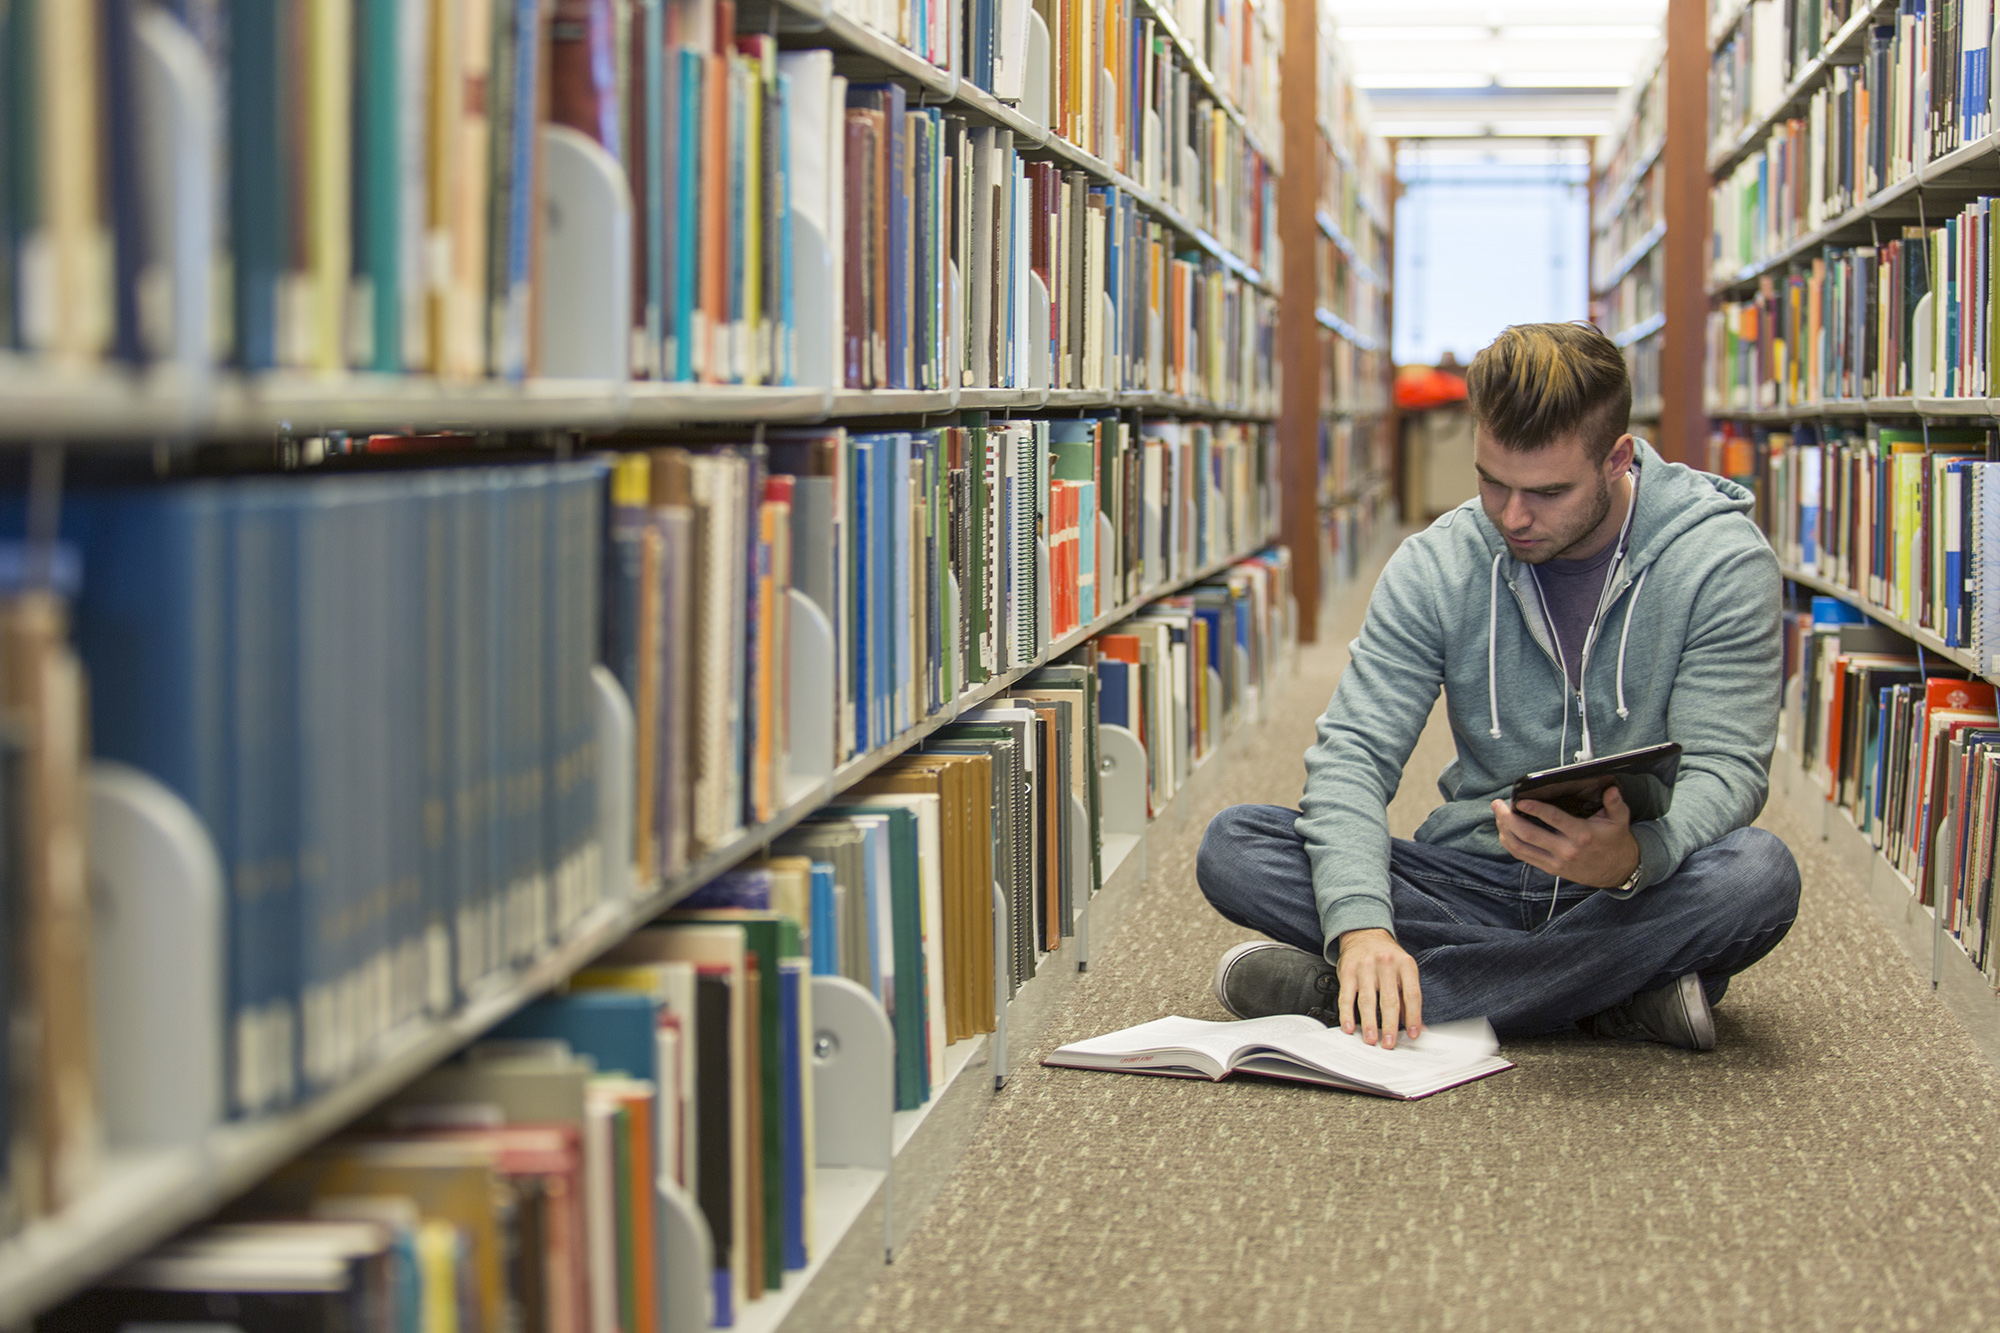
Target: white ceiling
column 1448, row 68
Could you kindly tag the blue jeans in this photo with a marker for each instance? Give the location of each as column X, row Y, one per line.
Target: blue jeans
column 1480, row 930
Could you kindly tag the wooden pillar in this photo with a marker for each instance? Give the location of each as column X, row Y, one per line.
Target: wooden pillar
column 1298, row 325
column 1683, row 433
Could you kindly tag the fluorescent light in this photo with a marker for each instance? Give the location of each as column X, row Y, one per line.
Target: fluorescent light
column 1421, row 79
column 1353, row 33
column 1552, row 129
column 1563, row 78
column 1430, row 129
column 1579, row 32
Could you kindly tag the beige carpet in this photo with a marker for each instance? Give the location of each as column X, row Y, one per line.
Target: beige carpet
column 1831, row 1166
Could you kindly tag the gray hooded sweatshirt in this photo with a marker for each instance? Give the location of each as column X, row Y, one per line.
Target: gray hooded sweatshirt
column 1686, row 649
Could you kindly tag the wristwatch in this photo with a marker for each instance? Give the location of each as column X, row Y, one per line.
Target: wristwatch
column 1631, row 881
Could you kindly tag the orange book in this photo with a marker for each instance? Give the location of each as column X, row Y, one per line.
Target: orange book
column 641, row 1142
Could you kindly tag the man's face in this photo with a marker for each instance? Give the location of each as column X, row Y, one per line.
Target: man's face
column 1546, row 502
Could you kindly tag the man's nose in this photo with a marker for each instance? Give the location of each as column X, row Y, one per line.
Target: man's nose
column 1515, row 516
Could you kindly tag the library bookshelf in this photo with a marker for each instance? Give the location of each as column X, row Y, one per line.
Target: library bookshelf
column 1628, row 227
column 175, row 405
column 1335, row 219
column 1800, row 353
column 146, row 1197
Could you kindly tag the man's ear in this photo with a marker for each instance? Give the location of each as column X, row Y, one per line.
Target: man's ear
column 1620, row 458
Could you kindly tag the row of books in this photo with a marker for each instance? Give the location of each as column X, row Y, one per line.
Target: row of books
column 526, row 1183
column 1183, row 673
column 374, row 690
column 1353, row 378
column 1920, row 92
column 1352, row 450
column 1636, row 296
column 1907, row 517
column 1059, row 280
column 938, row 559
column 1910, row 748
column 1634, row 147
column 1908, row 316
column 360, row 186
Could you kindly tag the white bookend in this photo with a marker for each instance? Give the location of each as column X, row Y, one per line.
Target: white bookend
column 178, row 121
column 158, row 957
column 617, row 749
column 586, row 295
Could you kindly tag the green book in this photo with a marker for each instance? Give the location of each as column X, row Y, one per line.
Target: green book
column 769, row 938
column 909, row 1013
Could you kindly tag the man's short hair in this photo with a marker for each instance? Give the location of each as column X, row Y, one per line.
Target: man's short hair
column 1539, row 383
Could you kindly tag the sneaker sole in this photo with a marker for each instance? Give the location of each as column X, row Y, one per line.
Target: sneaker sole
column 1229, row 960
column 1700, row 1018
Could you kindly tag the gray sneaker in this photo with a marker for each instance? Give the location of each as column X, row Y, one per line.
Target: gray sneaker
column 1676, row 1014
column 1260, row 978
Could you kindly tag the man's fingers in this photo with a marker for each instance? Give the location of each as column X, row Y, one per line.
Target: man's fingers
column 1368, row 1002
column 1347, row 994
column 1413, row 998
column 1392, row 1010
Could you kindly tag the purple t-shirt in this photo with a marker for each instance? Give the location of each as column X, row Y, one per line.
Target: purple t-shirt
column 1570, row 589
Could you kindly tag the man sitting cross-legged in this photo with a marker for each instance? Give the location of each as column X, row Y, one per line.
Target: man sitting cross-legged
column 1594, row 599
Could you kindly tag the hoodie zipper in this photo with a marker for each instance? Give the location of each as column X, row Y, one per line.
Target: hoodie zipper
column 1536, row 632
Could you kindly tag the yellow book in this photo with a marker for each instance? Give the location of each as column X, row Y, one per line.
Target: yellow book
column 67, row 262
column 437, row 1273
column 442, row 150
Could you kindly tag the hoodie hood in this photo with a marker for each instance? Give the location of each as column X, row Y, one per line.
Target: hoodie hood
column 1684, row 647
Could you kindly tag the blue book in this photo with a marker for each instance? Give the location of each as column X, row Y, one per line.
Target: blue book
column 619, row 1030
column 265, row 672
column 1833, row 611
column 793, row 980
column 736, row 888
column 378, row 180
column 496, row 753
column 1951, row 514
column 825, row 922
column 1114, row 707
column 649, row 214
column 861, row 557
column 467, row 503
column 151, row 626
column 259, row 212
column 329, row 861
column 524, row 138
column 686, row 256
column 436, row 543
column 903, row 686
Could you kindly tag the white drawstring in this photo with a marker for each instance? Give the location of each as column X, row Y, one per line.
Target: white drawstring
column 1631, row 605
column 1493, row 634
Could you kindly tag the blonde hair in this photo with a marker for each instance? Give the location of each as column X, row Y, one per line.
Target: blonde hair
column 1539, row 383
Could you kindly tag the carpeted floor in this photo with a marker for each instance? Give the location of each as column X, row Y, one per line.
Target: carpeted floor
column 1832, row 1165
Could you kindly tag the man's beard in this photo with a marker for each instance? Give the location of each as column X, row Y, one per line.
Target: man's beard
column 1562, row 543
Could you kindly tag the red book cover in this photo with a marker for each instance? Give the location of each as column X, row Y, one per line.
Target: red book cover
column 582, row 71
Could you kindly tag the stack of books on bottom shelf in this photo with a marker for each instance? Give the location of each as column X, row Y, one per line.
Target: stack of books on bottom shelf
column 1910, row 749
column 530, row 1183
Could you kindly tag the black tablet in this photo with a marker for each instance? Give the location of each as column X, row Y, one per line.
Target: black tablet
column 1645, row 778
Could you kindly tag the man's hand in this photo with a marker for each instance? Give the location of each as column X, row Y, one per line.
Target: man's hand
column 1376, row 975
column 1598, row 852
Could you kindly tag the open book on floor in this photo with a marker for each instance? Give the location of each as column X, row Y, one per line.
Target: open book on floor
column 1297, row 1047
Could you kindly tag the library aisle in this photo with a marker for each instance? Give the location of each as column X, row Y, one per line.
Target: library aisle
column 1828, row 1166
